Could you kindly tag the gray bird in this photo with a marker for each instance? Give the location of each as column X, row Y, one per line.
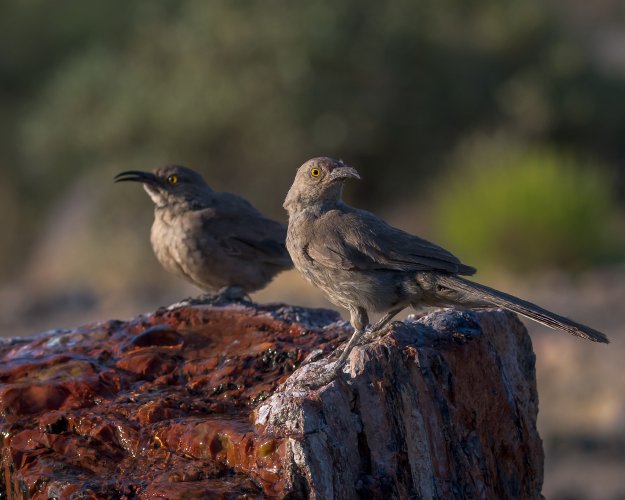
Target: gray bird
column 367, row 266
column 217, row 241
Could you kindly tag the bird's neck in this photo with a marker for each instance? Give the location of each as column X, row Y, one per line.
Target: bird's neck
column 182, row 205
column 316, row 208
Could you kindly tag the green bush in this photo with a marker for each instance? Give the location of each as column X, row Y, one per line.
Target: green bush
column 520, row 209
column 247, row 91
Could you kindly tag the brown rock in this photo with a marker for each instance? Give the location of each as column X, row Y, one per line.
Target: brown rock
column 442, row 408
column 188, row 403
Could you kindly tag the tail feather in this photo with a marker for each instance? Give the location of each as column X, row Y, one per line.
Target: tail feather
column 520, row 306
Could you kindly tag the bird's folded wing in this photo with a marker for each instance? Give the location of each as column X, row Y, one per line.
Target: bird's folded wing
column 360, row 240
column 267, row 250
column 252, row 238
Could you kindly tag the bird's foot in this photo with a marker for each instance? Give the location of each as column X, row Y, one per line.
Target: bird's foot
column 336, row 353
column 315, row 355
column 371, row 335
column 317, row 374
column 226, row 295
column 233, row 294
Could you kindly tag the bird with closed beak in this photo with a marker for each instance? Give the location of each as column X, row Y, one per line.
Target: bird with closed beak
column 367, row 266
column 217, row 241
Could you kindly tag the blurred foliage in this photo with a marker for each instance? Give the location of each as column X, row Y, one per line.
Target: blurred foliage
column 520, row 208
column 247, row 91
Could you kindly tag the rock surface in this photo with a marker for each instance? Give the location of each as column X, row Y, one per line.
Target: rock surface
column 202, row 401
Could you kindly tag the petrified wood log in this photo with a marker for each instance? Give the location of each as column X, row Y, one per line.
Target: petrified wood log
column 202, row 402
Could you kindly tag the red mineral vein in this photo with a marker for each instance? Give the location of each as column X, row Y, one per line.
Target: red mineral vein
column 159, row 407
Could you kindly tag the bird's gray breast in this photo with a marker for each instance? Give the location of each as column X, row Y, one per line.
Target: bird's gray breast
column 166, row 236
column 297, row 240
column 373, row 289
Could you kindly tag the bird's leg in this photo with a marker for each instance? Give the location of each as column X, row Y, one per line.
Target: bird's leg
column 359, row 319
column 233, row 294
column 327, row 376
column 224, row 296
column 378, row 328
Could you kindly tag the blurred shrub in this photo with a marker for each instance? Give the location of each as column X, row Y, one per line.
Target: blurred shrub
column 247, row 91
column 520, row 209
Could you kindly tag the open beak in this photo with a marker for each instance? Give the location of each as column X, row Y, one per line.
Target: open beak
column 344, row 173
column 137, row 176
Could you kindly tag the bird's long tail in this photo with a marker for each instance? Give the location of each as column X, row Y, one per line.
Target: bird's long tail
column 482, row 293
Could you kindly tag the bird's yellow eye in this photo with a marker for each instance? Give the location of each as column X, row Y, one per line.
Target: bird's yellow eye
column 315, row 172
column 172, row 179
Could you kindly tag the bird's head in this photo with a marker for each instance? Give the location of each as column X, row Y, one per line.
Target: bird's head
column 318, row 181
column 170, row 185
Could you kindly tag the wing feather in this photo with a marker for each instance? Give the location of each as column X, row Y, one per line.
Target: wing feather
column 246, row 233
column 357, row 239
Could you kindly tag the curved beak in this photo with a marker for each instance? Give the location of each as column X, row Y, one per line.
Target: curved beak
column 342, row 173
column 137, row 176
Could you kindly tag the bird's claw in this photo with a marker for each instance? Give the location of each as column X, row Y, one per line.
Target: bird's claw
column 315, row 355
column 318, row 374
column 336, row 353
column 371, row 335
column 368, row 336
column 233, row 294
column 226, row 295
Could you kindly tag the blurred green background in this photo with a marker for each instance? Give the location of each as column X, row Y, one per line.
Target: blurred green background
column 496, row 128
